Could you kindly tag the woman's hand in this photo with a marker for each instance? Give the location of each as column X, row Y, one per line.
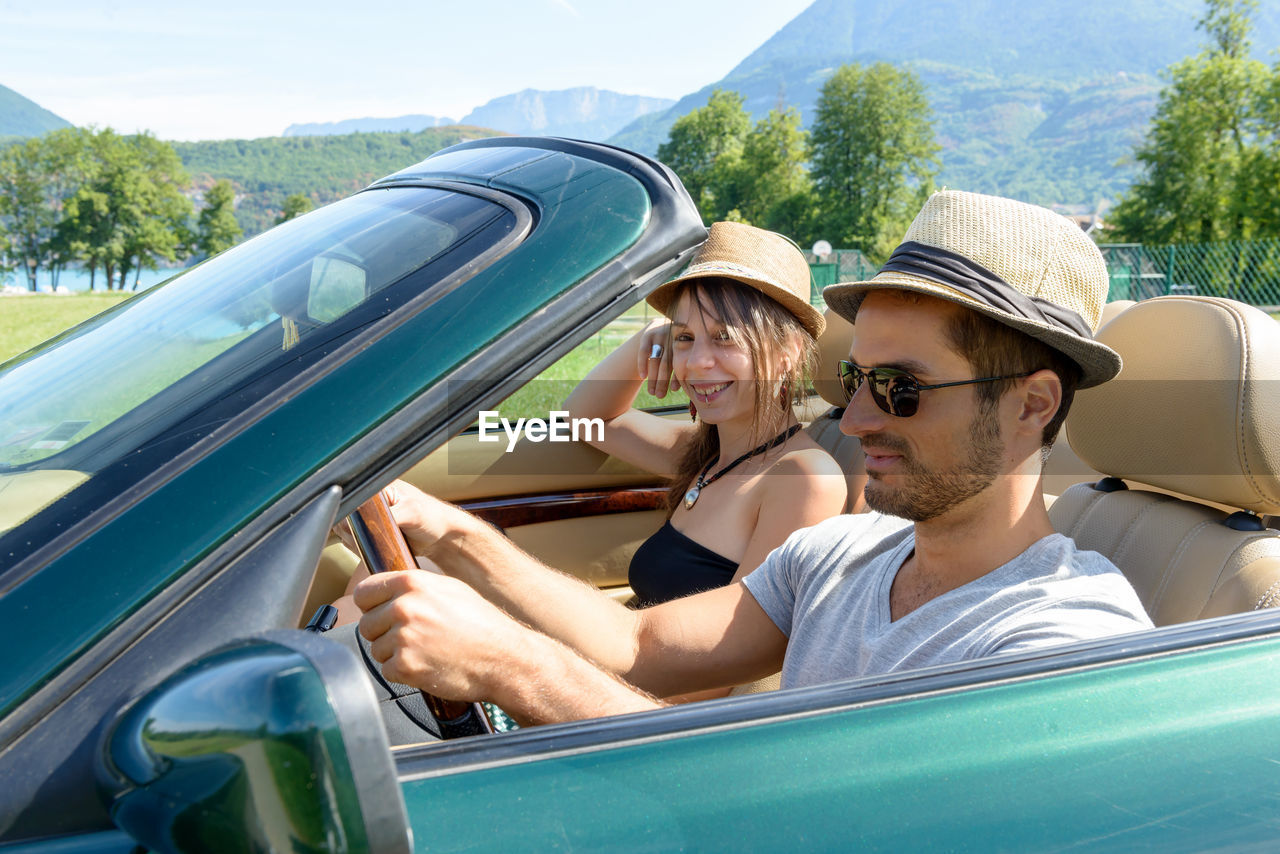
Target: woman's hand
column 653, row 358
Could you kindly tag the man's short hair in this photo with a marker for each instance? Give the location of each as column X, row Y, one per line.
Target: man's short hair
column 993, row 349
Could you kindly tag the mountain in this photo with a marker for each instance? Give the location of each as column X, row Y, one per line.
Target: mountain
column 400, row 124
column 21, row 116
column 585, row 112
column 1039, row 101
column 1060, row 39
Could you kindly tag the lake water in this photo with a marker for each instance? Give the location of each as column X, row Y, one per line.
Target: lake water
column 78, row 280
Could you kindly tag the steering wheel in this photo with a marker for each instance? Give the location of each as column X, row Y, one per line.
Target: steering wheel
column 384, row 549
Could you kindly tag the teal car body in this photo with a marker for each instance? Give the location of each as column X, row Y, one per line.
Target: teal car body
column 184, row 535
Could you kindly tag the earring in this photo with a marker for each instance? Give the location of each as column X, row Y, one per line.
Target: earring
column 784, row 396
column 693, row 412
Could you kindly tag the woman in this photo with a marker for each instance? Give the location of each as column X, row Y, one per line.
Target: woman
column 739, row 338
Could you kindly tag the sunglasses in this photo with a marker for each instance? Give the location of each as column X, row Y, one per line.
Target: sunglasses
column 896, row 392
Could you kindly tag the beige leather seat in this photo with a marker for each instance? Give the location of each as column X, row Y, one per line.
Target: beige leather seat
column 1189, row 438
column 1064, row 468
column 833, row 345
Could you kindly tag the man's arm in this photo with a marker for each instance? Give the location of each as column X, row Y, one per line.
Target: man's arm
column 716, row 639
column 552, row 602
column 721, row 637
column 439, row 635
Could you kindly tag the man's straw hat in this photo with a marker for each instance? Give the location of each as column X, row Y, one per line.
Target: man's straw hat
column 1022, row 265
column 759, row 259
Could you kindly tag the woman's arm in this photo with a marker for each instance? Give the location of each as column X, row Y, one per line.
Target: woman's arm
column 803, row 488
column 639, row 438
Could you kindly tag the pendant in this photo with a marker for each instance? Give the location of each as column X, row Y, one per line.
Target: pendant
column 691, row 497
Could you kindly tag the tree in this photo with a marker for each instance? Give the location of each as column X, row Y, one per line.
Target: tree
column 1263, row 202
column 216, row 227
column 6, row 258
column 87, row 232
column 23, row 214
column 131, row 212
column 157, row 227
column 704, row 148
column 295, row 204
column 1209, row 155
column 874, row 156
column 771, row 185
column 94, row 197
column 37, row 178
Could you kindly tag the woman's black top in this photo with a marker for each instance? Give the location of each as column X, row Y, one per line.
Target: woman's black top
column 669, row 565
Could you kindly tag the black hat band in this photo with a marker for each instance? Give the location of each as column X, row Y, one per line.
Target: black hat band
column 956, row 271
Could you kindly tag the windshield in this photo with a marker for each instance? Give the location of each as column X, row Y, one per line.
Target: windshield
column 236, row 326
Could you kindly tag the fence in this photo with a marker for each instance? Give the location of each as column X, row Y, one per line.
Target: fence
column 1244, row 270
column 842, row 265
column 1248, row 271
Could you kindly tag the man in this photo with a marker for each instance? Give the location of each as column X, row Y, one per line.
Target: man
column 968, row 347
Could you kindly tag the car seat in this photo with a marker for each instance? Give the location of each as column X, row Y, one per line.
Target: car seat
column 1188, row 440
column 1064, row 467
column 833, row 345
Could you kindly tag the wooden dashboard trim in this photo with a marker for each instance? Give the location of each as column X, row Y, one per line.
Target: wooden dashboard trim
column 515, row 510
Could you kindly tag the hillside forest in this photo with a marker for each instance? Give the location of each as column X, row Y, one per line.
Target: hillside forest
column 114, row 204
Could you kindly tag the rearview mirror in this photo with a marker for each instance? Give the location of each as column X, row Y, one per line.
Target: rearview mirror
column 270, row 744
column 337, row 286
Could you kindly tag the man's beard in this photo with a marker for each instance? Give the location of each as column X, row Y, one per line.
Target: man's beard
column 927, row 494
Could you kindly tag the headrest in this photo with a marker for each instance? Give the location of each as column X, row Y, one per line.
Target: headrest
column 1196, row 408
column 1112, row 309
column 833, row 345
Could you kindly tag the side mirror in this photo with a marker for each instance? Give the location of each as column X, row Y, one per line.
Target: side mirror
column 273, row 743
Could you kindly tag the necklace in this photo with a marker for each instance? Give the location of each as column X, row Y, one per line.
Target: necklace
column 691, row 497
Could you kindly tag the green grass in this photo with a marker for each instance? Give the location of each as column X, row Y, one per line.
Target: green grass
column 26, row 321
column 152, row 362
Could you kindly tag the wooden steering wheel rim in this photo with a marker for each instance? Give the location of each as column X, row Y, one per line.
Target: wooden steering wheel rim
column 385, row 550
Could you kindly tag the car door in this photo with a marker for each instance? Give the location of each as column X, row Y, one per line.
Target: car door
column 1162, row 740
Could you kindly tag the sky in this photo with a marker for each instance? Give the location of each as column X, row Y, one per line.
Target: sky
column 239, row 69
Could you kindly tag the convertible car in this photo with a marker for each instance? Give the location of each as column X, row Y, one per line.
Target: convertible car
column 171, row 470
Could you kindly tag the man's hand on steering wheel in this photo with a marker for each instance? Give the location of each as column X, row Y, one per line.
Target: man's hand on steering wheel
column 423, row 519
column 435, row 633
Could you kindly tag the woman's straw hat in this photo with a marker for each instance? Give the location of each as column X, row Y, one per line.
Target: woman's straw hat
column 759, row 259
column 1022, row 265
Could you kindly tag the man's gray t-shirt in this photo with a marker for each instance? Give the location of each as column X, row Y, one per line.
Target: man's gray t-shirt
column 827, row 589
